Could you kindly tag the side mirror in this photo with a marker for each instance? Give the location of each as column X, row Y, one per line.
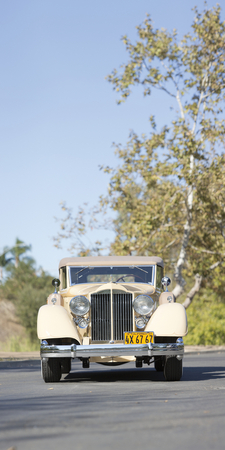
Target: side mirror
column 166, row 282
column 56, row 284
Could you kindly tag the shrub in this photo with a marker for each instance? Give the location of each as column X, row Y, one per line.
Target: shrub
column 206, row 320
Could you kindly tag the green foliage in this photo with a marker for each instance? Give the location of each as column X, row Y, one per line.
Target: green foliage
column 19, row 252
column 29, row 300
column 157, row 195
column 4, row 261
column 28, row 289
column 23, row 275
column 168, row 192
column 206, row 320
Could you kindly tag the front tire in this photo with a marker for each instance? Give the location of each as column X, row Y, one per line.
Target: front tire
column 173, row 369
column 51, row 370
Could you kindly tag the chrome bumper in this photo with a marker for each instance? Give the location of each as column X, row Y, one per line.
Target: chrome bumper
column 88, row 351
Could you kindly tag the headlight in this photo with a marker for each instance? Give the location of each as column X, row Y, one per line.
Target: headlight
column 79, row 305
column 143, row 304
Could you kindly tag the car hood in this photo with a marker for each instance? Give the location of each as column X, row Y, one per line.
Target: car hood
column 86, row 289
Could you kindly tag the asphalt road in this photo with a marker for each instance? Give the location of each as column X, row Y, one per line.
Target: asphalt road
column 114, row 408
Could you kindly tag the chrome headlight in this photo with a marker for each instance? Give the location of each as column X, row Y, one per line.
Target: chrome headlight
column 79, row 305
column 143, row 304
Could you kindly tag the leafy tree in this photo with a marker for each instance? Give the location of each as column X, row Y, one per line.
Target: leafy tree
column 17, row 253
column 4, row 261
column 206, row 323
column 171, row 203
column 168, row 192
column 29, row 300
column 27, row 288
column 19, row 249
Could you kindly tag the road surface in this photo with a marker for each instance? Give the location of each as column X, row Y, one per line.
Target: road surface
column 114, row 408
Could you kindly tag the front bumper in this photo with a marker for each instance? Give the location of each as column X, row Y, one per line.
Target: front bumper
column 112, row 350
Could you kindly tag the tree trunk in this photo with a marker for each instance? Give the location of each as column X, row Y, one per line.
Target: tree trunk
column 179, row 288
column 193, row 291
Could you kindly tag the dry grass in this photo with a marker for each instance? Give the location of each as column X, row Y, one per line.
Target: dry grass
column 13, row 336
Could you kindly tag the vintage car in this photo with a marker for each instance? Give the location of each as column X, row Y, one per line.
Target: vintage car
column 111, row 310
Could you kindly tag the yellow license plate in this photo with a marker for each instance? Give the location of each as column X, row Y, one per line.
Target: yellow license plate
column 138, row 337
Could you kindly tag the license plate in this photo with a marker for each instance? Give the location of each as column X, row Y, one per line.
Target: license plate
column 136, row 337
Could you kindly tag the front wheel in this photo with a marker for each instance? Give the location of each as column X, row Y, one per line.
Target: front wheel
column 51, row 370
column 173, row 369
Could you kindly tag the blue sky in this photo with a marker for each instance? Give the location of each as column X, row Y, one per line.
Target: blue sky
column 58, row 114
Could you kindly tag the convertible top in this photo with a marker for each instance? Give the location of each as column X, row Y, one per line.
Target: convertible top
column 111, row 260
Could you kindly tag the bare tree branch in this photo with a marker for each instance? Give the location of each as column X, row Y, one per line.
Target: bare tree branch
column 204, row 251
column 214, row 266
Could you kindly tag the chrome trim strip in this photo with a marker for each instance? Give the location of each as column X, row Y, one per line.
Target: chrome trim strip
column 87, row 351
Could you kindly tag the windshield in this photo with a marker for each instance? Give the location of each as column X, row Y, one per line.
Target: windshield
column 115, row 274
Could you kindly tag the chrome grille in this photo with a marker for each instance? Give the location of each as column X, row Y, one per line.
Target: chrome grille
column 122, row 315
column 101, row 317
column 102, row 325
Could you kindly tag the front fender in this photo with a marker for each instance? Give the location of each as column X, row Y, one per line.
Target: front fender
column 54, row 322
column 169, row 319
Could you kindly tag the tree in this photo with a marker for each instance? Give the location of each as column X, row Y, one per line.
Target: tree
column 29, row 300
column 76, row 229
column 19, row 249
column 168, row 192
column 27, row 287
column 191, row 72
column 4, row 261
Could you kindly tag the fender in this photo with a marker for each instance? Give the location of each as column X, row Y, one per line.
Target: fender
column 54, row 322
column 169, row 319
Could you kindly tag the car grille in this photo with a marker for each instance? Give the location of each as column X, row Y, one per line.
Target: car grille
column 109, row 321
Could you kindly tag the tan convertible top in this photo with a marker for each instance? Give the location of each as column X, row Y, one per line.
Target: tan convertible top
column 111, row 260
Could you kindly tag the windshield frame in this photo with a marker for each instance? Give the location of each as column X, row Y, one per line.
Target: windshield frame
column 141, row 267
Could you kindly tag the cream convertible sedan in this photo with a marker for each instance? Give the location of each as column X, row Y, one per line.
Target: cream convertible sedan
column 111, row 310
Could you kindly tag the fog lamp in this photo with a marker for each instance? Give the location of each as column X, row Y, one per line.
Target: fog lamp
column 82, row 323
column 140, row 322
